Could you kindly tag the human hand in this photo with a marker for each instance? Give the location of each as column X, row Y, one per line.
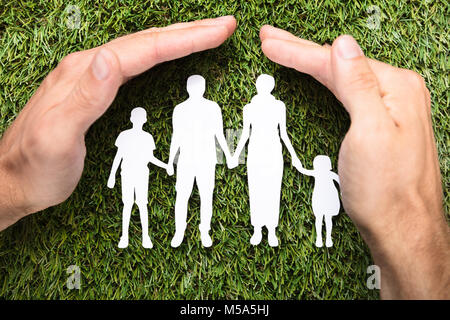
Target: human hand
column 111, row 181
column 388, row 166
column 42, row 153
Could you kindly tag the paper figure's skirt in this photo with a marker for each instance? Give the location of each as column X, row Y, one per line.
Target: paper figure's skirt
column 328, row 205
column 264, row 179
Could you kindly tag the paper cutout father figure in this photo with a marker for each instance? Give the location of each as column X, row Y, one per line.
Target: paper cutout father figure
column 197, row 123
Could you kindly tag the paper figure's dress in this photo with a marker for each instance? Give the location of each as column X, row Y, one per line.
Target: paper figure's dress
column 264, row 161
column 328, row 204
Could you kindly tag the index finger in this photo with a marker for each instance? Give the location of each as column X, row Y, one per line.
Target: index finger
column 308, row 57
column 142, row 50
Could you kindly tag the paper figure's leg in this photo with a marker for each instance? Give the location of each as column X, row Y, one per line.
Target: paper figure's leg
column 128, row 200
column 206, row 198
column 319, row 220
column 255, row 218
column 146, row 241
column 205, row 182
column 181, row 203
column 126, row 213
column 255, row 183
column 272, row 213
column 257, row 236
column 142, row 200
column 329, row 227
column 272, row 237
column 185, row 182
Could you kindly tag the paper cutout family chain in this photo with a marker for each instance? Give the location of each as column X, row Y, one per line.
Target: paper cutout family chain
column 197, row 123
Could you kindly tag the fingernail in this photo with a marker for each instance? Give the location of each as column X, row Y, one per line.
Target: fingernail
column 348, row 48
column 100, row 67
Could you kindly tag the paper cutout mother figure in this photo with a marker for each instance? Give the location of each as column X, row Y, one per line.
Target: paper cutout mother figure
column 265, row 117
column 325, row 199
column 135, row 151
column 197, row 122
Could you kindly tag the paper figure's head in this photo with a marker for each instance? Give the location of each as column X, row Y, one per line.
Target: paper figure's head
column 322, row 163
column 265, row 84
column 195, row 86
column 138, row 116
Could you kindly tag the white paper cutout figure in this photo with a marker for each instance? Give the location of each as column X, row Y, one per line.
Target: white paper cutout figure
column 264, row 124
column 135, row 151
column 325, row 198
column 197, row 122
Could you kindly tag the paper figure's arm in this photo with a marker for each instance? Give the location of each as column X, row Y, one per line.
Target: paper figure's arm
column 115, row 166
column 244, row 135
column 175, row 143
column 306, row 172
column 158, row 162
column 174, row 146
column 284, row 136
column 335, row 177
column 220, row 136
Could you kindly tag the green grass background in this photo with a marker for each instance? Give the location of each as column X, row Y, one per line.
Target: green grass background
column 36, row 252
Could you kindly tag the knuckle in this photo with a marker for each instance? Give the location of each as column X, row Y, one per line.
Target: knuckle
column 47, row 141
column 70, row 150
column 45, row 145
column 150, row 40
column 83, row 96
column 413, row 78
column 64, row 150
column 51, row 79
column 70, row 61
column 154, row 46
column 356, row 137
column 39, row 139
column 363, row 80
column 35, row 144
column 416, row 82
column 362, row 136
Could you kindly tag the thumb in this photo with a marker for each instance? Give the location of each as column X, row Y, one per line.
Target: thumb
column 356, row 86
column 95, row 90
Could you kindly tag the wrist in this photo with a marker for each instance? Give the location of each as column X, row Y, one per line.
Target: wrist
column 414, row 256
column 12, row 201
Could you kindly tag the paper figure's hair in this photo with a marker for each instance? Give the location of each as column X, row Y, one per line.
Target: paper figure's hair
column 322, row 163
column 138, row 115
column 195, row 86
column 265, row 83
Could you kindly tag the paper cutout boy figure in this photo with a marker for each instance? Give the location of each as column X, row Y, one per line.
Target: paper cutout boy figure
column 197, row 122
column 134, row 152
column 264, row 124
column 325, row 198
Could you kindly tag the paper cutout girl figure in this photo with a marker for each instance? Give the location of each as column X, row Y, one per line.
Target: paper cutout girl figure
column 325, row 198
column 197, row 123
column 264, row 124
column 135, row 151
